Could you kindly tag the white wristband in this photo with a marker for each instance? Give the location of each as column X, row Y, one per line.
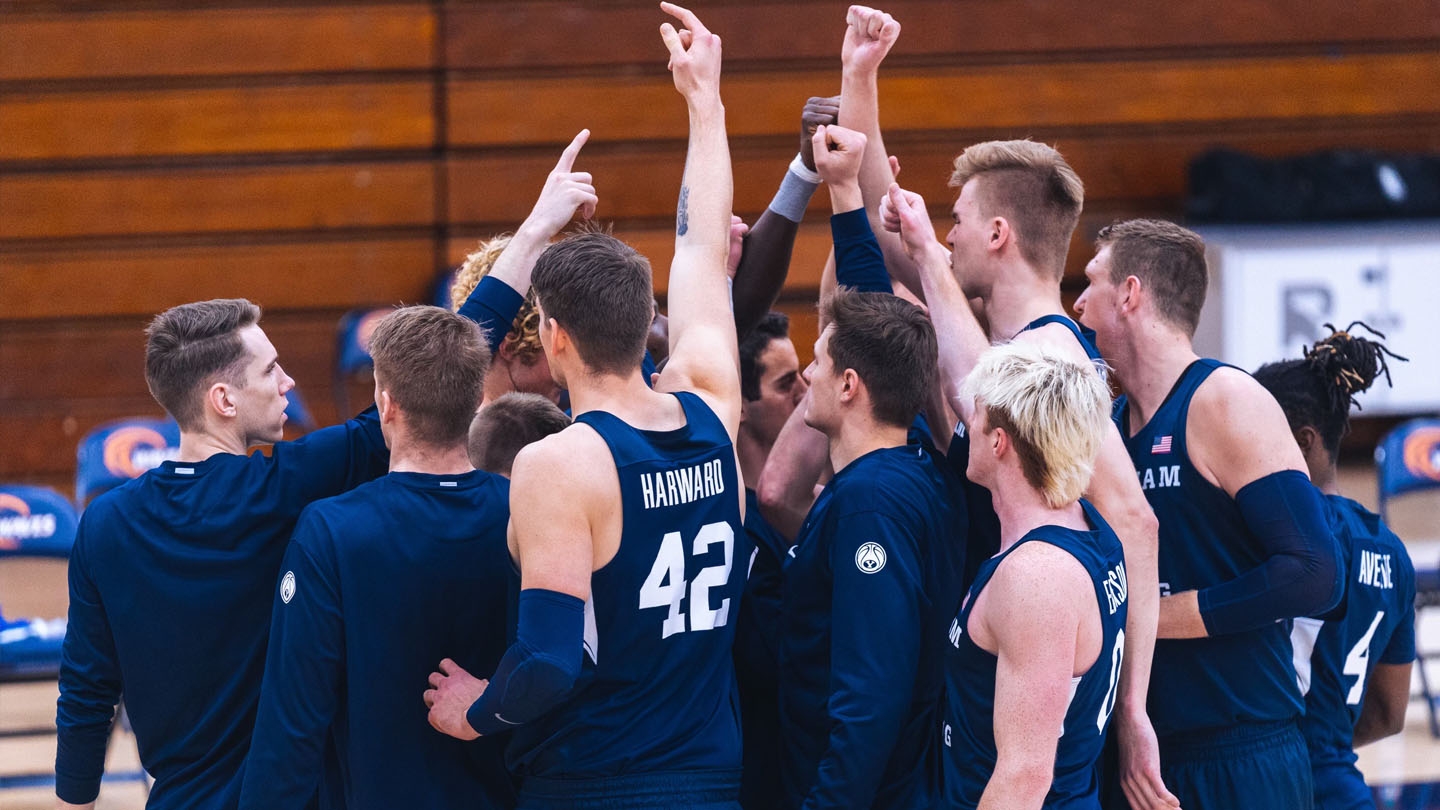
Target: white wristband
column 798, row 167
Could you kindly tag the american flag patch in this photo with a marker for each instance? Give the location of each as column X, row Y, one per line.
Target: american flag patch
column 1161, row 445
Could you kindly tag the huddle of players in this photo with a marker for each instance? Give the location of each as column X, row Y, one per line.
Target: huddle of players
column 914, row 618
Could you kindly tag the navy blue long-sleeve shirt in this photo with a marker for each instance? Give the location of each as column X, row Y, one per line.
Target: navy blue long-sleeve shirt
column 874, row 571
column 493, row 305
column 859, row 264
column 377, row 586
column 170, row 587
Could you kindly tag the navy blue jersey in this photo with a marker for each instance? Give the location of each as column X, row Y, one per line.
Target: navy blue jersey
column 656, row 691
column 171, row 582
column 757, row 655
column 1219, row 681
column 984, row 536
column 968, row 733
column 874, row 574
column 377, row 586
column 1334, row 658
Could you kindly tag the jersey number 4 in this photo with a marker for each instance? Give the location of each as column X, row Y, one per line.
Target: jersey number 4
column 666, row 585
column 1359, row 660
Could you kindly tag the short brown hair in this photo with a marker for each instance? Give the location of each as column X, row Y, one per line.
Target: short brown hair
column 1168, row 259
column 890, row 343
column 433, row 364
column 504, row 427
column 1034, row 189
column 523, row 339
column 598, row 289
column 189, row 347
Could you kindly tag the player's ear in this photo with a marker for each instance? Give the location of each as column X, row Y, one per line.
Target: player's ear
column 1000, row 233
column 999, row 442
column 220, row 399
column 849, row 385
column 1308, row 438
column 1130, row 294
column 385, row 405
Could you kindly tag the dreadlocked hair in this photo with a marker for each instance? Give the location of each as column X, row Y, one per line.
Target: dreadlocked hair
column 1318, row 389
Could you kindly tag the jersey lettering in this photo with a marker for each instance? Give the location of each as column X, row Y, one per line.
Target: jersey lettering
column 1375, row 570
column 683, row 485
column 1357, row 662
column 1160, row 477
column 1116, row 588
column 1117, row 657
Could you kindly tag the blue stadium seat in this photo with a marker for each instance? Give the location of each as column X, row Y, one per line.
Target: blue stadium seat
column 352, row 351
column 1408, row 460
column 118, row 451
column 34, row 522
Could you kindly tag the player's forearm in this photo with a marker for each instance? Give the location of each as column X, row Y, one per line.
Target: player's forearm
column 1115, row 493
column 961, row 341
column 1016, row 786
column 1179, row 617
column 702, row 225
column 515, row 263
column 859, row 264
column 763, row 268
column 786, row 488
column 1387, row 696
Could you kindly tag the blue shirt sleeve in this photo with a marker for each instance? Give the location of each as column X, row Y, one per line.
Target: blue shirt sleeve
column 493, row 305
column 303, row 664
column 329, row 461
column 876, row 618
column 859, row 263
column 90, row 686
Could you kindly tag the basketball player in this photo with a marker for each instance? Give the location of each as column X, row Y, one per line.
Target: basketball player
column 874, row 571
column 1354, row 669
column 1244, row 541
column 382, row 581
column 646, row 715
column 171, row 574
column 1036, row 649
column 507, row 425
column 1018, row 204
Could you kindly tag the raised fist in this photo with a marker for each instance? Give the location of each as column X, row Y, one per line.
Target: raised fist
column 869, row 35
column 818, row 112
column 838, row 152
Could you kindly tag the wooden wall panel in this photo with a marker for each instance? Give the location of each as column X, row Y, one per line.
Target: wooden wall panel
column 265, row 198
column 217, row 120
column 83, row 283
column 491, row 112
column 216, row 42
column 504, row 35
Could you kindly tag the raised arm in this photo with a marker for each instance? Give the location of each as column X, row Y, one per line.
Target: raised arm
column 703, row 350
column 495, row 300
column 765, row 261
column 869, row 36
column 961, row 339
column 858, row 260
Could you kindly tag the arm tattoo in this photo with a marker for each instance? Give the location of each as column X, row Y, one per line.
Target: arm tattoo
column 682, row 215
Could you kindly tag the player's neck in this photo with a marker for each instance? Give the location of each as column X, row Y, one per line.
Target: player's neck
column 1019, row 298
column 1149, row 366
column 613, row 393
column 414, row 457
column 200, row 445
column 752, row 452
column 1326, row 478
column 497, row 383
column 858, row 436
column 1022, row 509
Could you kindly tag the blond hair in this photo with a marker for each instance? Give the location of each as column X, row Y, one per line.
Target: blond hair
column 1053, row 408
column 1034, row 189
column 524, row 337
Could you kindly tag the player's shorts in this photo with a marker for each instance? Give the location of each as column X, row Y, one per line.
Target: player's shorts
column 1340, row 786
column 695, row 790
column 1260, row 765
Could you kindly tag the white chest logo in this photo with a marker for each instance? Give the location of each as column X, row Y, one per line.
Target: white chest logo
column 287, row 587
column 870, row 558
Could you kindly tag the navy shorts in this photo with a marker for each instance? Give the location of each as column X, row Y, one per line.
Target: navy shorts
column 694, row 790
column 1340, row 786
column 1261, row 765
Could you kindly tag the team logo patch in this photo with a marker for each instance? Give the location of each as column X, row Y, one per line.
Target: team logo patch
column 870, row 558
column 287, row 587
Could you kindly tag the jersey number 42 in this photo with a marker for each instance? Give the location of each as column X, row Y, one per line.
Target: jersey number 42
column 666, row 585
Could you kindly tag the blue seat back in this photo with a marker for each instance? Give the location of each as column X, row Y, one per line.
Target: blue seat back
column 1408, row 459
column 35, row 522
column 118, row 451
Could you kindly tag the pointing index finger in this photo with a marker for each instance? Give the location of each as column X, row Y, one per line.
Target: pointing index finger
column 567, row 158
column 685, row 16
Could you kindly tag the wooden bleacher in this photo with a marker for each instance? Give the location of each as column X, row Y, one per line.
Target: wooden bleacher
column 319, row 156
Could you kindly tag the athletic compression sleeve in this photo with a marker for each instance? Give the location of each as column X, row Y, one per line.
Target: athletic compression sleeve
column 859, row 264
column 1301, row 575
column 539, row 668
column 493, row 304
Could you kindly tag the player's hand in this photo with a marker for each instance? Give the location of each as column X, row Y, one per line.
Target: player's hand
column 1140, row 764
column 904, row 212
column 738, row 229
column 838, row 152
column 869, row 35
column 452, row 691
column 694, row 54
column 818, row 112
column 566, row 191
